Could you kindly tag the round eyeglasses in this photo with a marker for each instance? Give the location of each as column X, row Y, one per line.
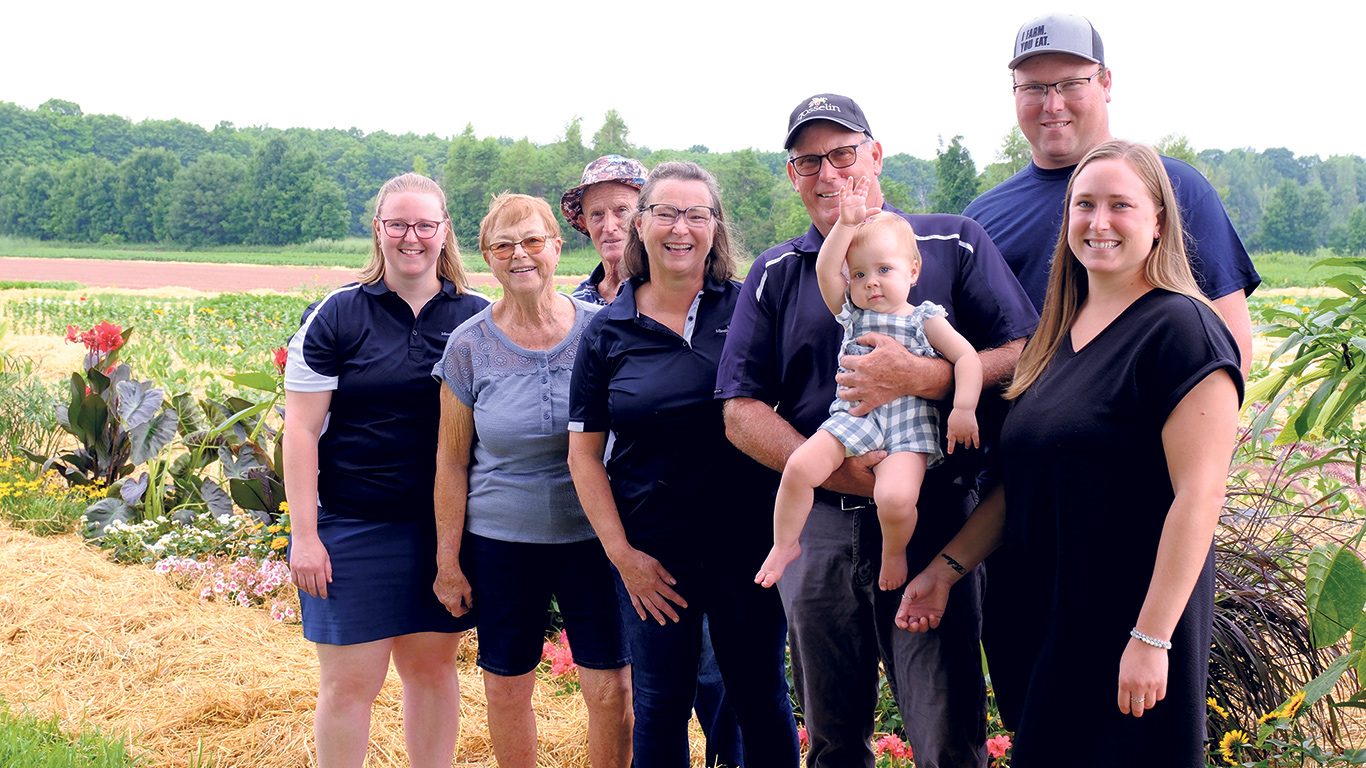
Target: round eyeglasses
column 425, row 230
column 694, row 216
column 531, row 245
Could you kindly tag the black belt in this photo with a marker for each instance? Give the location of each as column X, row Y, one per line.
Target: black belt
column 846, row 501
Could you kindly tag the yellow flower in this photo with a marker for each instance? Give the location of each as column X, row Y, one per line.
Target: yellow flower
column 1292, row 707
column 274, row 529
column 284, row 506
column 159, row 311
column 1231, row 739
column 280, row 542
column 1286, row 711
column 1214, row 705
column 1288, row 300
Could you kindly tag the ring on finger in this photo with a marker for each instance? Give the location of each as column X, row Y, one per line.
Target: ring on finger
column 1138, row 700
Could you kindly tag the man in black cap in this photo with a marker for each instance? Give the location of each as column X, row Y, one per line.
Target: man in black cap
column 1062, row 87
column 778, row 375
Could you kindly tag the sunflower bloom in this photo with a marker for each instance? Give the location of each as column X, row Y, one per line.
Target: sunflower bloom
column 1232, row 739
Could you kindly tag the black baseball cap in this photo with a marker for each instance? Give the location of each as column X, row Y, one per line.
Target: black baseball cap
column 826, row 106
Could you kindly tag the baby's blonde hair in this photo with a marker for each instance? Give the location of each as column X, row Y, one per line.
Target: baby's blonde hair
column 893, row 225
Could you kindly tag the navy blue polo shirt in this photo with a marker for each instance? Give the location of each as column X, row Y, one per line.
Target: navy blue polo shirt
column 784, row 343
column 675, row 477
column 1024, row 216
column 377, row 453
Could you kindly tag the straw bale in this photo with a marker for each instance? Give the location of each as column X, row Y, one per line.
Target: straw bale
column 122, row 649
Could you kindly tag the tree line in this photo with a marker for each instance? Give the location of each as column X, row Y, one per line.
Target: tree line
column 66, row 175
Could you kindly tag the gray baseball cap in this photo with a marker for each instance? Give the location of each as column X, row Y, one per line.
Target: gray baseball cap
column 1058, row 33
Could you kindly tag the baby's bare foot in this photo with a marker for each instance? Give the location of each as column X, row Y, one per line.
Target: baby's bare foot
column 893, row 573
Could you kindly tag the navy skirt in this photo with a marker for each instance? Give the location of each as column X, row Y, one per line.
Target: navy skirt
column 382, row 576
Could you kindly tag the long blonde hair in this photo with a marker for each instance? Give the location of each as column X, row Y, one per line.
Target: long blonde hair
column 1167, row 266
column 448, row 264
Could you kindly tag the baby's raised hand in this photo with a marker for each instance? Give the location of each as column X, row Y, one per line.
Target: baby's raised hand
column 854, row 201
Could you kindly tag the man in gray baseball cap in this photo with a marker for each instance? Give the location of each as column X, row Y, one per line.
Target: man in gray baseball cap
column 1062, row 86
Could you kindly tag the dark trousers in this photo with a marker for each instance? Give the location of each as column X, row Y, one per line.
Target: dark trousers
column 841, row 626
column 725, row 746
column 748, row 634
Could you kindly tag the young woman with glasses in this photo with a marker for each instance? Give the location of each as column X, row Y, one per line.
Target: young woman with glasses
column 360, row 435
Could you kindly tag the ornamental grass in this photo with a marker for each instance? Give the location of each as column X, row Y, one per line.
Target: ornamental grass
column 123, row 650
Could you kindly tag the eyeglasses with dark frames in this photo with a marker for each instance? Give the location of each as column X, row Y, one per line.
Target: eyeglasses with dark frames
column 1071, row 89
column 693, row 216
column 397, row 229
column 839, row 157
column 531, row 245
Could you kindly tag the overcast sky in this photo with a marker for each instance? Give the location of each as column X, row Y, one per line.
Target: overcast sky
column 721, row 74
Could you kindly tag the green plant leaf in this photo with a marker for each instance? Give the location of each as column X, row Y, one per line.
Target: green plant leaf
column 1266, row 388
column 253, row 380
column 137, row 402
column 92, row 416
column 99, row 515
column 131, row 490
column 191, row 415
column 220, row 503
column 1323, row 684
column 248, row 494
column 151, row 436
column 1335, row 587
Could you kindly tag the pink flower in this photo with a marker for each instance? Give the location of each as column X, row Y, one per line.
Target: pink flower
column 802, row 738
column 893, row 746
column 998, row 745
column 560, row 657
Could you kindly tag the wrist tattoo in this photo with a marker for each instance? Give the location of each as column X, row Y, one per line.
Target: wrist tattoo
column 954, row 564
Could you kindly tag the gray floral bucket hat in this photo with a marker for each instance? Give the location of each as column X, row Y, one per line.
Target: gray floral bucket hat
column 613, row 168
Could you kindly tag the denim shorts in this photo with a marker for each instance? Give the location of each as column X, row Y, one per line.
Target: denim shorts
column 512, row 584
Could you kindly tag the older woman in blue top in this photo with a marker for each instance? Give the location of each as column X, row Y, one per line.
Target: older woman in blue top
column 680, row 512
column 360, row 442
column 511, row 530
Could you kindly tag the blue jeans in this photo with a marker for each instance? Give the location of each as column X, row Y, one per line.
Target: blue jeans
column 725, row 746
column 842, row 626
column 748, row 632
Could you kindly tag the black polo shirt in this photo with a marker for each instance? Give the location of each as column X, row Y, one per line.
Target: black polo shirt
column 377, row 453
column 784, row 343
column 676, row 479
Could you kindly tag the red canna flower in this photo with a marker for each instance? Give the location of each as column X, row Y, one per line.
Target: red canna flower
column 101, row 339
column 281, row 356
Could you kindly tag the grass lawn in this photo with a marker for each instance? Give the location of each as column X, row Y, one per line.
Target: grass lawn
column 27, row 741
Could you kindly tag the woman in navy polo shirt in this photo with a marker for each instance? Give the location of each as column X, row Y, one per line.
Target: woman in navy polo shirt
column 684, row 513
column 360, row 457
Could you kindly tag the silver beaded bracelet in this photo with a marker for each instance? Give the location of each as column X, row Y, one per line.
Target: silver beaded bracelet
column 1165, row 645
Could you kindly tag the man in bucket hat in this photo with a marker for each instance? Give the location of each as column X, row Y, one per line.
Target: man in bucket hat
column 600, row 207
column 1062, row 88
column 778, row 374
